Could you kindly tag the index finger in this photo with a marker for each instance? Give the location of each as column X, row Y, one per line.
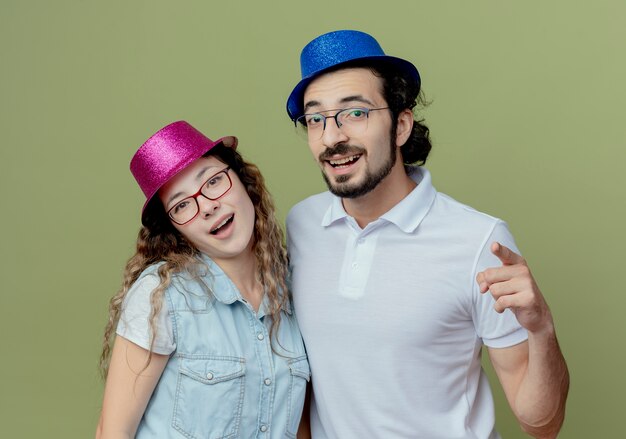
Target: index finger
column 505, row 254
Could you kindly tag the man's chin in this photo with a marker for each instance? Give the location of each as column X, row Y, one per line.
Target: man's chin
column 342, row 188
column 338, row 184
column 351, row 186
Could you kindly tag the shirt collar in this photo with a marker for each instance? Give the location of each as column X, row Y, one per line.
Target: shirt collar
column 334, row 213
column 406, row 215
column 409, row 212
column 265, row 306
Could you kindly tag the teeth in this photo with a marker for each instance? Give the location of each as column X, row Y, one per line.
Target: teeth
column 221, row 224
column 344, row 160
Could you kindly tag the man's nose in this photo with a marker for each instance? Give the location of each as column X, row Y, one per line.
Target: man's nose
column 333, row 134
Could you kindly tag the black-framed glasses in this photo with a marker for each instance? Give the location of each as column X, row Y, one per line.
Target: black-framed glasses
column 215, row 187
column 352, row 121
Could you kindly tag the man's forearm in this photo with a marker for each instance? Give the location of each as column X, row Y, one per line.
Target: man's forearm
column 540, row 402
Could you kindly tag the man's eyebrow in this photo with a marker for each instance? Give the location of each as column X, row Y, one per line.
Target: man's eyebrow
column 311, row 104
column 352, row 98
column 356, row 98
column 197, row 177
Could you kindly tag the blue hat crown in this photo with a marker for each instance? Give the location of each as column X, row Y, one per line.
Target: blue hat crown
column 336, row 48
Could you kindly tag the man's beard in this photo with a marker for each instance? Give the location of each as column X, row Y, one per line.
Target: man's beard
column 342, row 188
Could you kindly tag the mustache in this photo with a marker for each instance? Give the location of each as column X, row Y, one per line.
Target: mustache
column 340, row 149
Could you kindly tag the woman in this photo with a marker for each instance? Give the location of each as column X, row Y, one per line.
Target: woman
column 206, row 345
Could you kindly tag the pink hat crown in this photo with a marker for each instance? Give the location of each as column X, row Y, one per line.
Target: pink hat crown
column 169, row 151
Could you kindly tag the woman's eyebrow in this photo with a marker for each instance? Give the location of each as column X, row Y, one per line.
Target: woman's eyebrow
column 198, row 176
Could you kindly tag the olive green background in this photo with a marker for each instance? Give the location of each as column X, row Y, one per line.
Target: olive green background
column 527, row 119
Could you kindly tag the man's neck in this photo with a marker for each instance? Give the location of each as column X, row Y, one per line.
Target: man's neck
column 371, row 206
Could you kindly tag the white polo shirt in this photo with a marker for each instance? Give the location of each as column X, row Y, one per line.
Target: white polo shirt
column 393, row 319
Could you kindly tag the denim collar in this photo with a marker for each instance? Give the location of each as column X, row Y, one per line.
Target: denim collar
column 225, row 291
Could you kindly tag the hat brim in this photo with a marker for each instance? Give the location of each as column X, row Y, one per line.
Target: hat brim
column 295, row 102
column 227, row 141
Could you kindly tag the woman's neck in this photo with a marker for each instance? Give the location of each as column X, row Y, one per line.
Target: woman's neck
column 242, row 271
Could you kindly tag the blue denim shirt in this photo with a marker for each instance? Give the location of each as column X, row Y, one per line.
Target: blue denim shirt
column 224, row 380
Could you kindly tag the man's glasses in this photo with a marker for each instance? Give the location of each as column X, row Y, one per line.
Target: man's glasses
column 215, row 187
column 352, row 121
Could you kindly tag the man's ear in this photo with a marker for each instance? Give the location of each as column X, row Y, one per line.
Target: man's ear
column 404, row 127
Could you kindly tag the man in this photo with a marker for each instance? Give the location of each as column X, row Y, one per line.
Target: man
column 397, row 287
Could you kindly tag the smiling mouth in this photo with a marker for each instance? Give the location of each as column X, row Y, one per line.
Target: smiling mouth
column 344, row 162
column 221, row 225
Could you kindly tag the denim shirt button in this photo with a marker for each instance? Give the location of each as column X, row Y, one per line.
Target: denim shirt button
column 267, row 381
column 263, row 428
column 209, row 376
column 260, row 336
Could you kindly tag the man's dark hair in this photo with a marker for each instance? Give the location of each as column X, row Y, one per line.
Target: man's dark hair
column 401, row 92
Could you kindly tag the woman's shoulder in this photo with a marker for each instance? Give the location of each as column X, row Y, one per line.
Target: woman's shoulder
column 181, row 290
column 151, row 277
column 150, row 271
column 147, row 281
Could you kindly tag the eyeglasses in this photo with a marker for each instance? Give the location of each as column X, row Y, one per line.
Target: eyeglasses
column 187, row 208
column 352, row 121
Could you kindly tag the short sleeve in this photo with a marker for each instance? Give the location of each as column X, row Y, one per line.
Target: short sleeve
column 134, row 323
column 496, row 330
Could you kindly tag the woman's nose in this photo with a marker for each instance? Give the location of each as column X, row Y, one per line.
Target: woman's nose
column 206, row 206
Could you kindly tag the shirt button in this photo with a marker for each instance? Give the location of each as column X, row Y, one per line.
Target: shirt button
column 260, row 336
column 263, row 428
column 267, row 381
column 355, row 265
column 209, row 376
